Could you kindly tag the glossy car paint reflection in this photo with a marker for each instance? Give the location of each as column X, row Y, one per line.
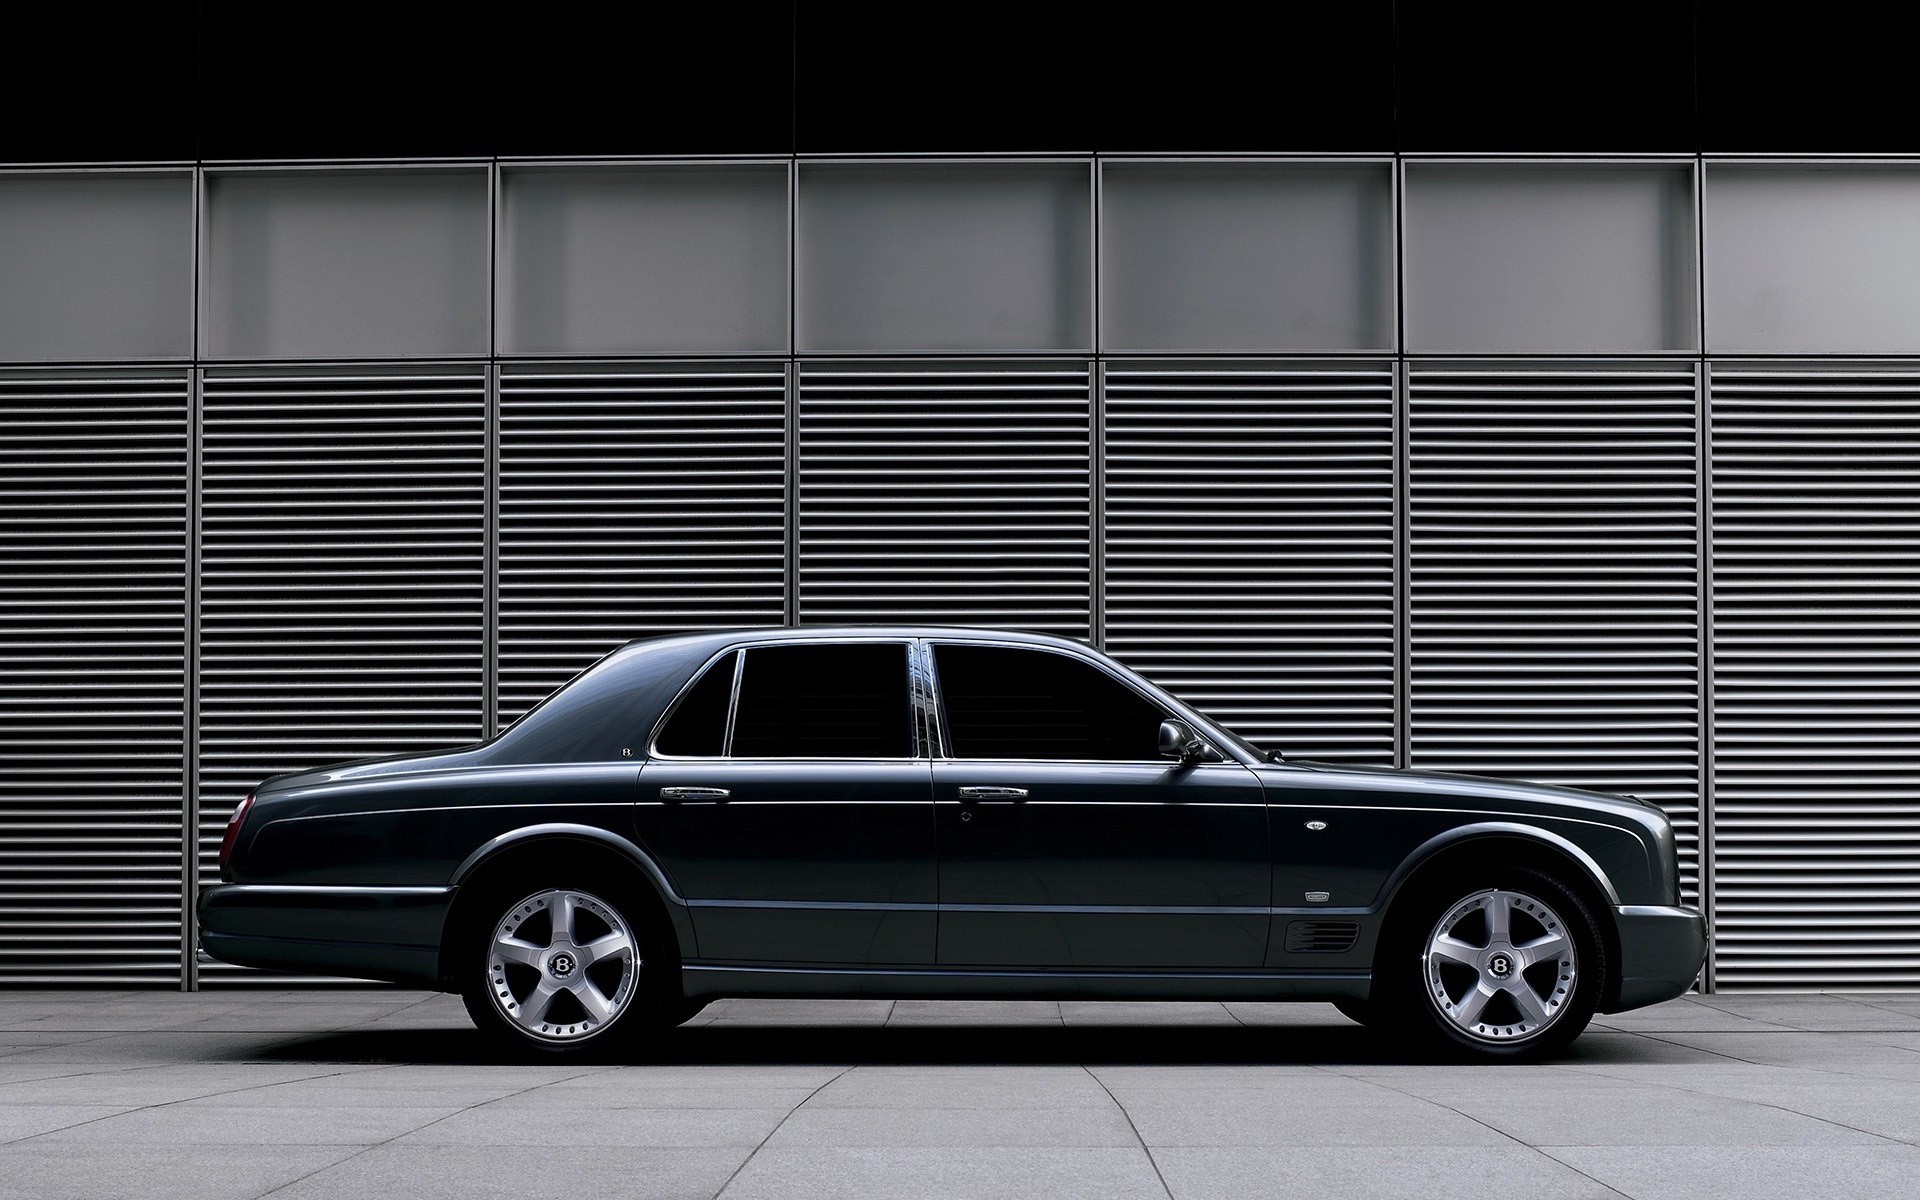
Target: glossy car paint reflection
column 879, row 877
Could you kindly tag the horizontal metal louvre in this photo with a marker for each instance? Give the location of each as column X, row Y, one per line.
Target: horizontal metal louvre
column 1249, row 546
column 93, row 609
column 1816, row 608
column 1554, row 580
column 632, row 503
column 946, row 493
column 343, row 524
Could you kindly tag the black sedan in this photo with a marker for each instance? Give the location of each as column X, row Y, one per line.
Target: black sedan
column 919, row 812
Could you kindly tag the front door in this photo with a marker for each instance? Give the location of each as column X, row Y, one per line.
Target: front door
column 786, row 800
column 1066, row 840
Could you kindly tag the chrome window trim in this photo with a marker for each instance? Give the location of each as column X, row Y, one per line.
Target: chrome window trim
column 1100, row 663
column 654, row 753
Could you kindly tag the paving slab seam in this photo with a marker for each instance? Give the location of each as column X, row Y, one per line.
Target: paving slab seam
column 1144, row 1148
column 1491, row 1128
column 136, row 1108
column 1687, row 1091
column 1854, row 999
column 1750, row 1062
column 372, row 1146
column 844, row 1072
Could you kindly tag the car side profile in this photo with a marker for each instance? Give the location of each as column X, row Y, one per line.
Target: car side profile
column 942, row 813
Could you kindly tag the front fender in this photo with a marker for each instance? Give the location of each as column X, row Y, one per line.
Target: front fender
column 1425, row 851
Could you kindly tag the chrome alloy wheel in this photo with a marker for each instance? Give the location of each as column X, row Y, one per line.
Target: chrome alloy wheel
column 562, row 965
column 1500, row 966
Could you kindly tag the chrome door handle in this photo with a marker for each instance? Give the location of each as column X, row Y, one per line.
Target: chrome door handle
column 993, row 793
column 694, row 793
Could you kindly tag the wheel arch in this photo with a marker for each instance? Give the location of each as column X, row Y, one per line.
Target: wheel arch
column 1509, row 844
column 536, row 841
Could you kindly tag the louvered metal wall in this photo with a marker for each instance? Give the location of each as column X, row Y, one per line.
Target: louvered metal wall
column 1554, row 579
column 632, row 502
column 343, row 578
column 956, row 493
column 93, row 621
column 1249, row 546
column 1816, row 672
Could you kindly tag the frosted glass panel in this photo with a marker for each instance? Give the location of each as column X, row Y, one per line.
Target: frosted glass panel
column 688, row 260
column 346, row 264
column 1583, row 259
column 96, row 266
column 1813, row 261
column 944, row 258
column 1247, row 258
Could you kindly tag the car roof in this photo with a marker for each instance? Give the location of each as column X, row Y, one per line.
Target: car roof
column 840, row 633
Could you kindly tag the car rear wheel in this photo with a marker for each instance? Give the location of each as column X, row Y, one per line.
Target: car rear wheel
column 563, row 967
column 1511, row 966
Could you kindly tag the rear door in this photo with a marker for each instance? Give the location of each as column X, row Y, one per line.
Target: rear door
column 1066, row 840
column 786, row 798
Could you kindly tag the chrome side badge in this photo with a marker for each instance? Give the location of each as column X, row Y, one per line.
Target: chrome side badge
column 1316, row 826
column 1319, row 897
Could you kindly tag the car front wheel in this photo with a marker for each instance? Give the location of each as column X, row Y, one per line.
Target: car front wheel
column 564, row 967
column 1507, row 967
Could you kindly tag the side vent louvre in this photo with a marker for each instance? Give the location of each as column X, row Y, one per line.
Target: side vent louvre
column 1321, row 937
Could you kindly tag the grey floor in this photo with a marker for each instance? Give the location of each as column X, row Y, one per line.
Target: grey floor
column 371, row 1094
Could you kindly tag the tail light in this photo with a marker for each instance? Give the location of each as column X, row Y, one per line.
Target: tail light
column 233, row 831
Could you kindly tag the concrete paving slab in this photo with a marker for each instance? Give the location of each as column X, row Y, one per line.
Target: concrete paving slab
column 522, row 1172
column 1653, row 1117
column 802, row 1173
column 493, row 1125
column 1754, row 1172
column 217, row 1091
column 1373, row 1173
column 220, row 1125
column 18, row 1121
column 35, row 1171
column 990, row 1014
column 1386, row 1120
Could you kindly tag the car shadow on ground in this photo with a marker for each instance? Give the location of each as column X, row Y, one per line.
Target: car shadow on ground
column 723, row 1044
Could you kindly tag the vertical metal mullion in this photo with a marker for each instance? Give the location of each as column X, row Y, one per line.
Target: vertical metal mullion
column 1402, row 569
column 792, row 468
column 792, row 491
column 1097, row 426
column 1705, row 825
column 1402, row 524
column 1705, row 832
column 490, row 570
column 190, row 651
column 490, row 520
column 190, row 726
column 1097, row 527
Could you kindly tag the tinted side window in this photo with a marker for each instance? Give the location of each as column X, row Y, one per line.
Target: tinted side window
column 835, row 701
column 698, row 728
column 1006, row 703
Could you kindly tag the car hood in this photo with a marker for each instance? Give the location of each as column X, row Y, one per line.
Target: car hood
column 366, row 768
column 1482, row 787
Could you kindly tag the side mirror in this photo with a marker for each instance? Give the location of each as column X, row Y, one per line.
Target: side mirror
column 1179, row 741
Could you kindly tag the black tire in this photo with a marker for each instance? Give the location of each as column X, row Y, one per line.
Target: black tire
column 607, row 904
column 1429, row 1002
column 1360, row 1012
